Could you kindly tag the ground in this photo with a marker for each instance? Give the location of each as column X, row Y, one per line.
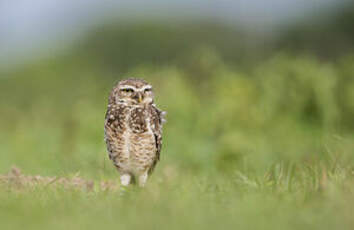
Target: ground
column 284, row 198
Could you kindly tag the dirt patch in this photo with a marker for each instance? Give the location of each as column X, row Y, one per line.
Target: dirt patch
column 15, row 179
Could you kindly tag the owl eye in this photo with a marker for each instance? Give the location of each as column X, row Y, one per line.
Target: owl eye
column 127, row 90
column 147, row 90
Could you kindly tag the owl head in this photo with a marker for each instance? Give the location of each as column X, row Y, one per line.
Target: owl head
column 132, row 92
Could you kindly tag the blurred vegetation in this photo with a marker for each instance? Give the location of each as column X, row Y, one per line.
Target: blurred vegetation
column 326, row 36
column 246, row 118
column 285, row 107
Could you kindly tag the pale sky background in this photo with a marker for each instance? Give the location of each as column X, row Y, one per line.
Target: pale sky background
column 28, row 26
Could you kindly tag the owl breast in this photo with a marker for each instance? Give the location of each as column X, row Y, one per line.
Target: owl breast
column 138, row 144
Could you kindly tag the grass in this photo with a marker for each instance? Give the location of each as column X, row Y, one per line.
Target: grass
column 286, row 197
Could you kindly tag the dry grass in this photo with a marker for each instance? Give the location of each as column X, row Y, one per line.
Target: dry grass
column 16, row 180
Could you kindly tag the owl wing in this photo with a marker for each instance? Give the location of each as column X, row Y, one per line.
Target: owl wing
column 158, row 118
column 109, row 139
column 113, row 125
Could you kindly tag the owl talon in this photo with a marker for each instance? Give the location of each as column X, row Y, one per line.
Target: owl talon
column 125, row 179
column 143, row 179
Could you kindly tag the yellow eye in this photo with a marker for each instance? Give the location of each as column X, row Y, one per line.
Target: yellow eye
column 127, row 90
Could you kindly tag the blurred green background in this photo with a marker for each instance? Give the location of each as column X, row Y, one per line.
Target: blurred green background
column 273, row 109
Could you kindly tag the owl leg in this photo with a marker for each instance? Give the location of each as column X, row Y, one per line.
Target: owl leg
column 125, row 179
column 142, row 179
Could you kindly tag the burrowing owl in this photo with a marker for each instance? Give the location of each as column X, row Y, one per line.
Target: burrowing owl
column 133, row 130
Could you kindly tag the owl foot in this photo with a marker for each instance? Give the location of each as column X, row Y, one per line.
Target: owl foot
column 125, row 179
column 142, row 179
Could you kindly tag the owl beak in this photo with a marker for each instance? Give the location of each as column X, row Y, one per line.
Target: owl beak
column 139, row 97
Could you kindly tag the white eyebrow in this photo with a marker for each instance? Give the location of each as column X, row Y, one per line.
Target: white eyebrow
column 135, row 89
column 147, row 87
column 127, row 87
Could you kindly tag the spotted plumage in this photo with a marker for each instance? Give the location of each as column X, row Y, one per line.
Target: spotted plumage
column 133, row 130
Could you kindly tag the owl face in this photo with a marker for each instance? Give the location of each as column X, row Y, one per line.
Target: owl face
column 134, row 92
